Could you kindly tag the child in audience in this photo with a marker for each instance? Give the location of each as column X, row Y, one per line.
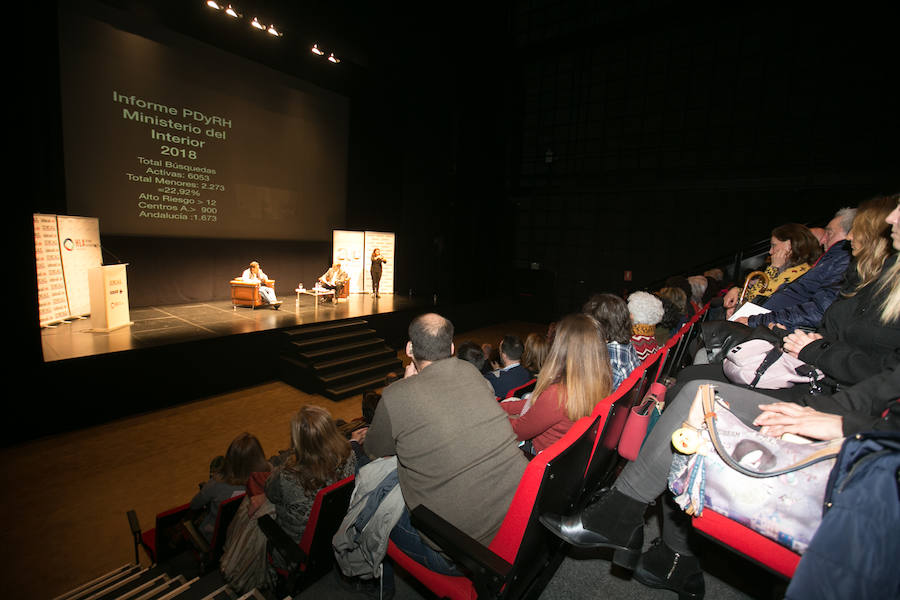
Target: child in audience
column 243, row 457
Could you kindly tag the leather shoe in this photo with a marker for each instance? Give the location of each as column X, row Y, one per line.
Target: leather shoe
column 572, row 530
column 662, row 568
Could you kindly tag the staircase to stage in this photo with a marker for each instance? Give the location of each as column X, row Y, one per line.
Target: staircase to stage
column 337, row 359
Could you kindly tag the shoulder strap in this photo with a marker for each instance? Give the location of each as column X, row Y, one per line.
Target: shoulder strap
column 770, row 359
column 709, row 407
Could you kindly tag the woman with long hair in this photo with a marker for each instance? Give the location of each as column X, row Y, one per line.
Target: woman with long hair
column 320, row 457
column 616, row 519
column 377, row 261
column 793, row 249
column 243, row 457
column 870, row 242
column 575, row 376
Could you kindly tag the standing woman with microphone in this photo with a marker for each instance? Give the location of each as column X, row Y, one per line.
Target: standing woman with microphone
column 377, row 261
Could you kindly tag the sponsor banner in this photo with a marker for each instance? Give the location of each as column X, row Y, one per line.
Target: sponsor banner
column 53, row 303
column 384, row 241
column 79, row 243
column 348, row 250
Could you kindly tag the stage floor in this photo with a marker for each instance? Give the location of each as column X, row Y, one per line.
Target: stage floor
column 163, row 325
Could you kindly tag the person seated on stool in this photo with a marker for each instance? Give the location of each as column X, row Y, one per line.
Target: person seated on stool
column 335, row 279
column 254, row 274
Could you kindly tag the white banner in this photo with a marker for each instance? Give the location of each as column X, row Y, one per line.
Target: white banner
column 65, row 248
column 384, row 241
column 53, row 304
column 79, row 242
column 348, row 250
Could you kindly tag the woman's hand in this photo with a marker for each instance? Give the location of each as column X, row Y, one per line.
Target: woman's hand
column 785, row 417
column 780, row 256
column 795, row 342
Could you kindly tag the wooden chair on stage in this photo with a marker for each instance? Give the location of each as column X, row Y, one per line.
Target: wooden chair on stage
column 345, row 290
column 246, row 293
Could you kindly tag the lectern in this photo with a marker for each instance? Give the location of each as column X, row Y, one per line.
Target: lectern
column 108, row 287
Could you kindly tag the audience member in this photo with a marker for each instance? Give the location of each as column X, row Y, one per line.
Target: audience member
column 698, row 289
column 803, row 302
column 616, row 520
column 319, row 457
column 243, row 457
column 511, row 373
column 575, row 376
column 677, row 281
column 646, row 312
column 456, row 451
column 611, row 313
column 793, row 250
column 536, row 350
column 471, row 352
column 674, row 314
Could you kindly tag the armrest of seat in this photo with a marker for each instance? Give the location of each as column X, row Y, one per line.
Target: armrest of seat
column 281, row 541
column 470, row 554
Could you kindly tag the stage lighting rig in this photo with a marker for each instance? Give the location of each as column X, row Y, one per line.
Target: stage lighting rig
column 315, row 50
column 333, row 58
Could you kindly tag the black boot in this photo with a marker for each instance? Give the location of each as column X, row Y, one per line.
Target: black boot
column 663, row 568
column 614, row 521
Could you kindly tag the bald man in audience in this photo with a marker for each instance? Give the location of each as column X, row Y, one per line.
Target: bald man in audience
column 456, row 451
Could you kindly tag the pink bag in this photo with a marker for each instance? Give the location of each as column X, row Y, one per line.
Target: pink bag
column 759, row 364
column 641, row 420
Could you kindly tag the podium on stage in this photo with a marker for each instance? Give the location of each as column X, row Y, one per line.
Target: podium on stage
column 108, row 286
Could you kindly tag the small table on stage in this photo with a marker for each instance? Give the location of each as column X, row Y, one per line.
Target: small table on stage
column 315, row 293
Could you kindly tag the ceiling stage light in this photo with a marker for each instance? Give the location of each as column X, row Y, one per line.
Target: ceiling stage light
column 315, row 50
column 334, row 59
column 255, row 23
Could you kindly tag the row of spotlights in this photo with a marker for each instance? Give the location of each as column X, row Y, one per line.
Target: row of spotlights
column 317, row 51
column 231, row 12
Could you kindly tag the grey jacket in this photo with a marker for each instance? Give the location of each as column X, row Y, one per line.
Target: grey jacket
column 360, row 543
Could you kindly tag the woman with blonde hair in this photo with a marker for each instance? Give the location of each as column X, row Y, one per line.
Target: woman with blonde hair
column 575, row 376
column 321, row 456
column 870, row 242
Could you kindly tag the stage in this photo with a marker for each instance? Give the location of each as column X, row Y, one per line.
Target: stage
column 176, row 354
column 163, row 325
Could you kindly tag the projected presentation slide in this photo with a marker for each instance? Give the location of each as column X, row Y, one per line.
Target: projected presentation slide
column 165, row 136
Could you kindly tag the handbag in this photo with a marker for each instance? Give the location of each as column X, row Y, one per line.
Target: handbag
column 773, row 486
column 641, row 420
column 759, row 364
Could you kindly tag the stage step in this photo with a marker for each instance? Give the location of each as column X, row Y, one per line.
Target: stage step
column 309, row 344
column 330, row 352
column 299, row 333
column 337, row 359
column 355, row 387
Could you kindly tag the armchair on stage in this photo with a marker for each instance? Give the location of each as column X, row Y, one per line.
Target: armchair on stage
column 246, row 293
